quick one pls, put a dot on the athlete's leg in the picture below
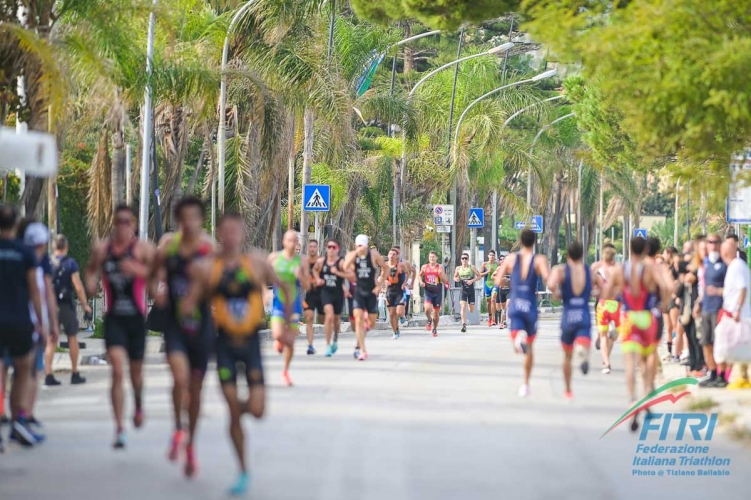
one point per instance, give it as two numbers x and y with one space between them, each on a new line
329 319
194 413
117 356
491 310
400 311
393 319
289 347
359 328
373 317
529 360
136 380
22 381
180 368
463 306
568 355
309 315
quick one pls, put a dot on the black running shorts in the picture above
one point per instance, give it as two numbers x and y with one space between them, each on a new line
231 351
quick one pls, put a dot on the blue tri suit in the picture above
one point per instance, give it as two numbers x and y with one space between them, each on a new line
576 323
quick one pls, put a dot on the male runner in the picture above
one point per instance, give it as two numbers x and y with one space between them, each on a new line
361 264
396 278
234 282
573 283
656 305
432 278
411 274
66 282
501 294
312 303
524 267
18 271
187 337
487 270
125 265
290 269
329 269
467 274
635 281
607 311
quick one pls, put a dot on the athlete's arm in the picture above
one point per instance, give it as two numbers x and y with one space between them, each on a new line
477 275
267 274
422 275
348 271
317 268
456 275
614 286
554 281
93 268
80 292
484 269
542 267
36 300
198 276
502 270
51 299
443 276
377 260
158 283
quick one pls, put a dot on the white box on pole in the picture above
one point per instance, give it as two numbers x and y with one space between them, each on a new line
33 153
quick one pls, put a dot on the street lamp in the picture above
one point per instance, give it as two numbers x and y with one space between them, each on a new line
536 78
401 167
143 213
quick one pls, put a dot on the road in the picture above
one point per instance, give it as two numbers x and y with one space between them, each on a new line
425 417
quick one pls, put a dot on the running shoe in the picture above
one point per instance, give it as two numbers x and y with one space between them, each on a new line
4 420
21 434
311 350
278 346
50 380
357 352
429 326
398 334
720 383
120 441
524 391
76 379
582 357
435 332
568 395
708 382
490 323
191 466
240 487
520 342
606 369
174 450
363 357
138 418
635 423
329 351
403 320
33 422
285 379
464 328
334 347
393 336
597 343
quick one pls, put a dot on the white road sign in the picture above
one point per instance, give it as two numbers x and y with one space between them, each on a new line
34 153
443 215
739 195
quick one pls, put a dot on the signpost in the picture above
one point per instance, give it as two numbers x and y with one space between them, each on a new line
316 198
443 215
640 233
535 223
739 196
443 229
476 217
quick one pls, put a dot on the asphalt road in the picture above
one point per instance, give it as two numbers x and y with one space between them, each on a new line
425 417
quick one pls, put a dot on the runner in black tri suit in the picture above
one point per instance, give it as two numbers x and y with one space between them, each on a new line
397 282
330 271
361 265
234 283
125 265
187 336
312 303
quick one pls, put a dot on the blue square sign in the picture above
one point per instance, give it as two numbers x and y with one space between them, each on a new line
316 197
476 217
640 233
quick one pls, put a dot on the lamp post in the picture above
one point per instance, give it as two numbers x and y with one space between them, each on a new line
143 213
401 169
536 78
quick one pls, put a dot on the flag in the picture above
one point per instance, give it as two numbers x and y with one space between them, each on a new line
369 68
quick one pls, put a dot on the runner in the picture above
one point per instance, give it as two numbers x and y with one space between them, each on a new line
125 265
361 265
656 305
329 268
67 282
18 275
312 303
467 274
671 258
572 282
607 311
501 294
635 281
396 278
289 267
524 267
187 336
432 276
234 283
411 274
487 270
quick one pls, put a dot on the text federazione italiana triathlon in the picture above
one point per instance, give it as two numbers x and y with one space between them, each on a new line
681 456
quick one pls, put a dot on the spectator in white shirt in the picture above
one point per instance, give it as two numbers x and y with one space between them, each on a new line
736 300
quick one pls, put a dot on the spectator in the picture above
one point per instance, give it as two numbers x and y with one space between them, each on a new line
736 301
738 251
686 296
67 282
710 303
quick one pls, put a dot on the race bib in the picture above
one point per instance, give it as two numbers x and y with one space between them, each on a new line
238 308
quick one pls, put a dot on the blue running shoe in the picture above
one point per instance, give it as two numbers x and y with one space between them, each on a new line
334 347
311 349
329 351
240 488
120 440
357 353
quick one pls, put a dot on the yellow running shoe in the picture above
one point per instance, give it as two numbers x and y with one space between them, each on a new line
739 384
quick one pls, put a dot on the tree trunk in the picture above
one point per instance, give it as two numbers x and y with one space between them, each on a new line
307 169
409 53
199 166
118 167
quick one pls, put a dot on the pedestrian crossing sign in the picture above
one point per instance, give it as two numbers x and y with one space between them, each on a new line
640 233
316 197
476 217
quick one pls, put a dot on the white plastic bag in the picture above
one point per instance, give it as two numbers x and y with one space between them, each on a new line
726 330
739 340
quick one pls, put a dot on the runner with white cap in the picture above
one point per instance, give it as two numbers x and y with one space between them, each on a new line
361 265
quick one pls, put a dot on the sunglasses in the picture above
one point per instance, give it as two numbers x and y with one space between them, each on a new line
332 247
465 258
121 221
713 242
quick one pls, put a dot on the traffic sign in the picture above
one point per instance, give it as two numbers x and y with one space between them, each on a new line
316 197
34 153
738 207
534 223
640 233
443 229
443 215
746 242
476 217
